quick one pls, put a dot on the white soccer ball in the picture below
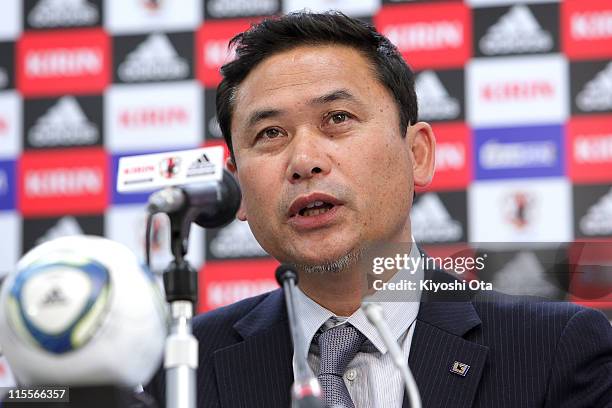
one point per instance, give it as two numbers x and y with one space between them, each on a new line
81 310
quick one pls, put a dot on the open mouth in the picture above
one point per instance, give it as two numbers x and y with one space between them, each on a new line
315 208
312 205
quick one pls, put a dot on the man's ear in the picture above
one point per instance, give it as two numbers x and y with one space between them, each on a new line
231 166
423 152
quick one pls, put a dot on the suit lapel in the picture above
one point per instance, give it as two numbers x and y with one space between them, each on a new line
436 345
438 342
258 371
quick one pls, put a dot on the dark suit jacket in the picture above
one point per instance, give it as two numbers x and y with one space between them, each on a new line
521 353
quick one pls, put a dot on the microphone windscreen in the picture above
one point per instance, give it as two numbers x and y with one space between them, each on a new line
285 272
230 197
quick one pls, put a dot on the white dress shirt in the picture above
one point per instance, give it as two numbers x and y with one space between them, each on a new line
371 378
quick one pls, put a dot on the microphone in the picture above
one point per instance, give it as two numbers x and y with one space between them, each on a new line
306 390
195 188
374 313
210 204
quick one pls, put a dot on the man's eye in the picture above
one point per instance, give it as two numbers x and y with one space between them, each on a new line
270 133
339 117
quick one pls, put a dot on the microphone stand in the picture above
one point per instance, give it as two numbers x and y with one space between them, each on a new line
306 390
181 286
374 313
209 205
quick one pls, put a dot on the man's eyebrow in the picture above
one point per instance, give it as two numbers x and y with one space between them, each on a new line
336 95
263 114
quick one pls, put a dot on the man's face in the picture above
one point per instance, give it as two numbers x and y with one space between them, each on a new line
313 126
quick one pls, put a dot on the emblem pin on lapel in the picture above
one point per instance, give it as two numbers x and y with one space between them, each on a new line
460 368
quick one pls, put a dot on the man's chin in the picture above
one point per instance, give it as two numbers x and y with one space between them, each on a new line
332 263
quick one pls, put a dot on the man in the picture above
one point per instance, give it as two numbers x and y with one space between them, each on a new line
320 115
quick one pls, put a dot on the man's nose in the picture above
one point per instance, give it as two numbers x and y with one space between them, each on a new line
308 157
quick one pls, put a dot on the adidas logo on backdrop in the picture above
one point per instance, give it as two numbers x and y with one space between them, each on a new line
597 93
53 13
65 227
517 31
524 275
235 241
431 221
154 59
63 124
434 101
598 219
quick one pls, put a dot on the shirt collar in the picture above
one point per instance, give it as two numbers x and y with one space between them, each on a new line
311 317
399 316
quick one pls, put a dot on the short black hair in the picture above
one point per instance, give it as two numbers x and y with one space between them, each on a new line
283 33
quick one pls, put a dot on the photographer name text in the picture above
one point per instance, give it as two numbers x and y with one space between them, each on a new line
429 285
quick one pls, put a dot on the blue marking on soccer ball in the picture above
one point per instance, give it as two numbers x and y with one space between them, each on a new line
62 342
